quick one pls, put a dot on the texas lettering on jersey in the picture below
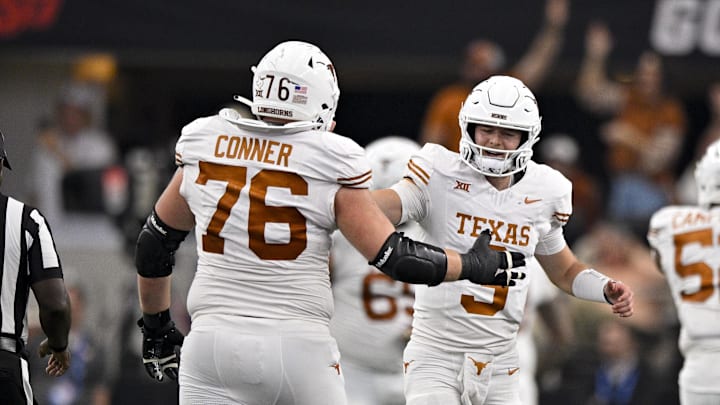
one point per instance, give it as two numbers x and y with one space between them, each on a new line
507 233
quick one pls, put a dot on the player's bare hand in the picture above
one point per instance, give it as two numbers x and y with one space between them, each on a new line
59 361
620 296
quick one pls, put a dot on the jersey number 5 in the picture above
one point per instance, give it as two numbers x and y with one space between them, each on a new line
705 238
259 212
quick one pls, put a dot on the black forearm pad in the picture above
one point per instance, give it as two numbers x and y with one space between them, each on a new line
412 262
156 246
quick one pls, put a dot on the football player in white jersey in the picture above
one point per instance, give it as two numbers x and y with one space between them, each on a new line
685 241
464 335
264 197
373 312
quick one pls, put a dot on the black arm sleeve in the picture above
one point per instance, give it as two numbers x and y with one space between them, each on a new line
156 246
412 262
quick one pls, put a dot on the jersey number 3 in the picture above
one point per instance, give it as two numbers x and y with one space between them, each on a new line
473 306
259 213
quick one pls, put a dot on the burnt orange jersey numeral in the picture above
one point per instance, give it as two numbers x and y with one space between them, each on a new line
704 238
369 296
259 213
472 306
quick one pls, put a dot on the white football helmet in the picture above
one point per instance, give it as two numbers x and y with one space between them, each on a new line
388 158
295 81
707 176
500 101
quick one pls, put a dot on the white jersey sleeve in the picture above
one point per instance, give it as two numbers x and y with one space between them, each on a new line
419 169
559 210
264 210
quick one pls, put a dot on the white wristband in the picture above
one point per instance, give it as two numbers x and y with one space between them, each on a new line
589 285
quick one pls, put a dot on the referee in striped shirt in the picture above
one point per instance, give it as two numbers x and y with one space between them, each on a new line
29 261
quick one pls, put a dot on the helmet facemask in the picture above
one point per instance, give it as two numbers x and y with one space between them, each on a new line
495 162
500 101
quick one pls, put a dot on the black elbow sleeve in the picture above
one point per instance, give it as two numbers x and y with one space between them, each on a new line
156 246
412 262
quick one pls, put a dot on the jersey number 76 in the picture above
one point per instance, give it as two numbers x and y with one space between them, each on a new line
259 212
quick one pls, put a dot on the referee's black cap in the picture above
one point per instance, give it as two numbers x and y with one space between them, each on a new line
3 154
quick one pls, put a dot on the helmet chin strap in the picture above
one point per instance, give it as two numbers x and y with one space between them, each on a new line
306 125
293 127
243 100
497 166
303 125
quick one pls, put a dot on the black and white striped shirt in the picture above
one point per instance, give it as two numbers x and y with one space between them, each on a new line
29 256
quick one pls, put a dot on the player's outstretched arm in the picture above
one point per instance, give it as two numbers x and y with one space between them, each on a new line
365 226
582 281
620 297
389 202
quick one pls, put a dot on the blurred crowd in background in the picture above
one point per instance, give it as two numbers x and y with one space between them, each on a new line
101 149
